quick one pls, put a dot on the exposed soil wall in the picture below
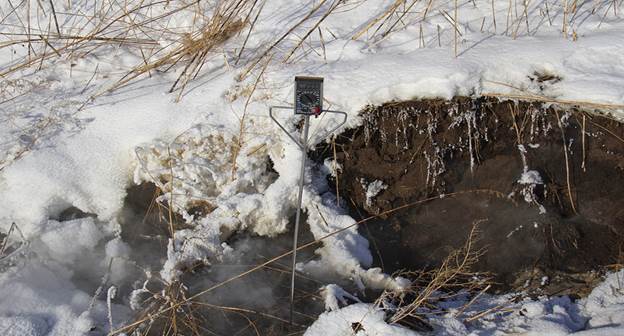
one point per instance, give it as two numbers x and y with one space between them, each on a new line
507 162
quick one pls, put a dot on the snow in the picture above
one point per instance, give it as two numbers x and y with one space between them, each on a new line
529 180
23 326
335 296
605 305
40 299
66 241
601 313
57 154
372 189
347 321
530 177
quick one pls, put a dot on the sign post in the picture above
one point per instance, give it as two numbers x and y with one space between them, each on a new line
308 102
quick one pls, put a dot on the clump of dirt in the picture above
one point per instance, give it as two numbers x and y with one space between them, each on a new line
546 184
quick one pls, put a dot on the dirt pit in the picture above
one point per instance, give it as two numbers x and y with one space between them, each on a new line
544 184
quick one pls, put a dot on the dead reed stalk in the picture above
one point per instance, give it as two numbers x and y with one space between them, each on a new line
456 28
240 139
267 51
333 6
567 163
456 263
383 16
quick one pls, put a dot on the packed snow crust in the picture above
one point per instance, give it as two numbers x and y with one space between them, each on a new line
61 150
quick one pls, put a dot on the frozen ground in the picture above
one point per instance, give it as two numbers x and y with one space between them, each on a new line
61 149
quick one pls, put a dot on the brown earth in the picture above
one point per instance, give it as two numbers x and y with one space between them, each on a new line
424 148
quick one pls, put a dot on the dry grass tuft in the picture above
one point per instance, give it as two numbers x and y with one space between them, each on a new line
142 27
430 287
194 48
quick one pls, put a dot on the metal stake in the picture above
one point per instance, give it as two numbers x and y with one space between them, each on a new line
304 156
303 145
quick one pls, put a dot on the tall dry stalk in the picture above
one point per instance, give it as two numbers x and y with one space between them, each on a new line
56 24
567 163
456 263
564 24
171 193
399 19
493 15
456 28
271 48
583 143
240 139
382 17
333 6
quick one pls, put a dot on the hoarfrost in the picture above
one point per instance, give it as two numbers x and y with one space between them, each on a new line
372 189
529 180
335 296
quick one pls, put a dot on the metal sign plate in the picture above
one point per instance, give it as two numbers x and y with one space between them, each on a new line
308 95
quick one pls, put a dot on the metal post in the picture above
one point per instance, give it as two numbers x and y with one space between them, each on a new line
304 156
303 145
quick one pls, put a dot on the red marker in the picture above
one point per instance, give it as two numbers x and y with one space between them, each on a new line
316 110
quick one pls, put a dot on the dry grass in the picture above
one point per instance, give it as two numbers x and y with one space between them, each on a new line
191 317
382 19
194 48
430 287
292 31
140 26
143 28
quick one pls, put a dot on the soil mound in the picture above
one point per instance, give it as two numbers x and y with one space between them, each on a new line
546 185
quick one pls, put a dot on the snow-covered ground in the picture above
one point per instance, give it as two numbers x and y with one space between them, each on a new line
60 148
601 313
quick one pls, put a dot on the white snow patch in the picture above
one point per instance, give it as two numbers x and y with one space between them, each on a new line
335 296
67 241
358 319
372 189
